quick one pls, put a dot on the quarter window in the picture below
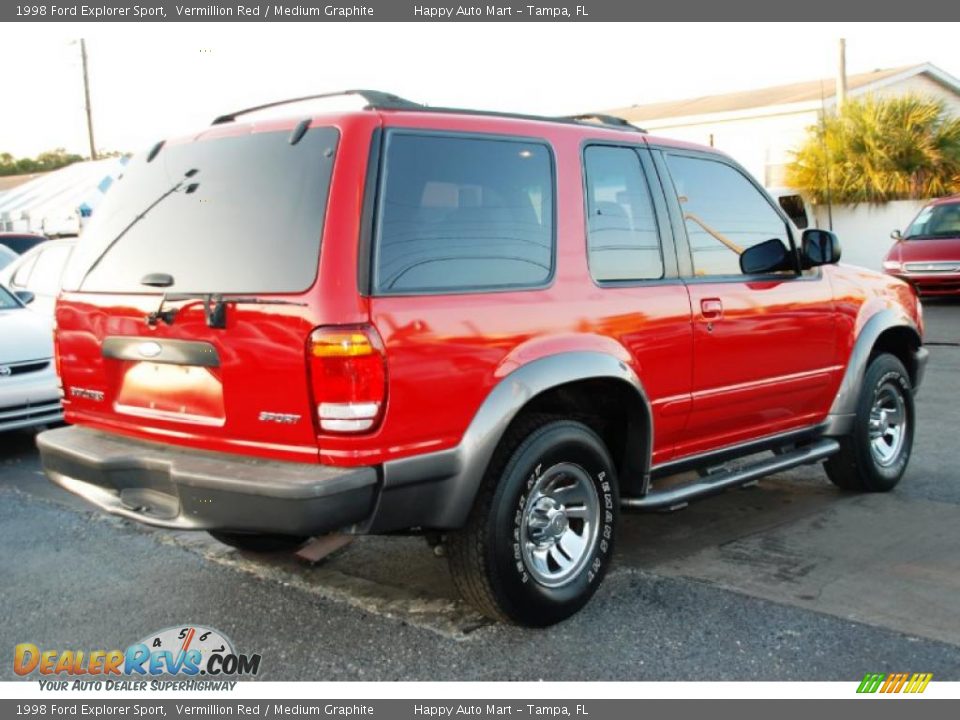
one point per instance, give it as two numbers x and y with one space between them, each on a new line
22 276
45 278
462 213
723 212
622 238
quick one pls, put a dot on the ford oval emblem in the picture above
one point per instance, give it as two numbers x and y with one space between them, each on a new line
149 349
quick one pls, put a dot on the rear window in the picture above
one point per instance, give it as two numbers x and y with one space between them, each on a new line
237 214
463 213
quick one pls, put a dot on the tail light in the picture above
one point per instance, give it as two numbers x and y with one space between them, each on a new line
348 372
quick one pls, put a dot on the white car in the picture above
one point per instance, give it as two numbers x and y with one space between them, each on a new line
39 271
29 389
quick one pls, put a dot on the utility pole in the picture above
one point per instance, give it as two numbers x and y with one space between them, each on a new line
86 97
842 75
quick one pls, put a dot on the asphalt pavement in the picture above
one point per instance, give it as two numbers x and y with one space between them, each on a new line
788 580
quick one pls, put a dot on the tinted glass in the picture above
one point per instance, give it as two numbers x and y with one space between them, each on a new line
622 238
45 278
936 221
463 213
793 206
724 214
21 243
240 214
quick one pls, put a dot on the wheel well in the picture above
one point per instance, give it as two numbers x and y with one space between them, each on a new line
611 408
901 342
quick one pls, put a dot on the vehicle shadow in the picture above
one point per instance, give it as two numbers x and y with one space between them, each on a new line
17 445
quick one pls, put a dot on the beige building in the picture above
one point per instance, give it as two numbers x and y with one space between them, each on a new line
760 127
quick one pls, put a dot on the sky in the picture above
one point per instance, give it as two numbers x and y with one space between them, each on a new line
150 81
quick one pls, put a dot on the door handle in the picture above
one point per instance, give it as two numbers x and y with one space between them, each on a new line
711 308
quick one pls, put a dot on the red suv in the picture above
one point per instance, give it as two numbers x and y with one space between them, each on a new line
492 329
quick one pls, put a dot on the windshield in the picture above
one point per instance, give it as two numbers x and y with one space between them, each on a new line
7 301
239 214
935 221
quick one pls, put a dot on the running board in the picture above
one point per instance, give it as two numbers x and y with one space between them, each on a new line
678 497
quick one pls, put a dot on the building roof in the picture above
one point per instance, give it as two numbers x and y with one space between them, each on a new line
809 91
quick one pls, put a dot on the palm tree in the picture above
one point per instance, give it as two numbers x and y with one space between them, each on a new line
880 149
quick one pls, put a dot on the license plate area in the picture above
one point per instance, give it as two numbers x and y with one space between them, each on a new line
174 393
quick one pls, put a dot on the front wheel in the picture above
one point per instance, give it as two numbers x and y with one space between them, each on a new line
540 536
874 456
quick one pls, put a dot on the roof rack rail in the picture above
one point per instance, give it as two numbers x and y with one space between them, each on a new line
603 119
375 100
378 100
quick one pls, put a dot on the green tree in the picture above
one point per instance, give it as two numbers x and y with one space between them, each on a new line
44 162
880 149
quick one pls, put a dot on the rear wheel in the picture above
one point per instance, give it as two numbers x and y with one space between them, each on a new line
874 456
540 536
260 542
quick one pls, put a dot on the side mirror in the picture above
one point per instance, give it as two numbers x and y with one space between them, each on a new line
25 296
766 257
819 247
896 235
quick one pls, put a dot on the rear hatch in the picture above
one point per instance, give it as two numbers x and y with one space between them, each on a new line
187 307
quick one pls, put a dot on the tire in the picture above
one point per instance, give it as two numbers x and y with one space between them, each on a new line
863 465
521 557
264 543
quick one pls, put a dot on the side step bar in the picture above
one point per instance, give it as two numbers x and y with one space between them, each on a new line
678 497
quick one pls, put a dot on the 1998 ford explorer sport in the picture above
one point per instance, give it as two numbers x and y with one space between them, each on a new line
494 329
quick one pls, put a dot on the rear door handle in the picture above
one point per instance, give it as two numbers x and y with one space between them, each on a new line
711 308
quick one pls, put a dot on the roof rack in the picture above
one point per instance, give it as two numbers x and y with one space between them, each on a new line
603 119
378 100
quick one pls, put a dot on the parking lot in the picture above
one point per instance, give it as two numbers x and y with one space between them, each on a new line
788 580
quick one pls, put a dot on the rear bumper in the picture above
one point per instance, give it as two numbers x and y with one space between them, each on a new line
173 487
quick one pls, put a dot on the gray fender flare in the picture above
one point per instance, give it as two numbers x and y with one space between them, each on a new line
438 489
840 418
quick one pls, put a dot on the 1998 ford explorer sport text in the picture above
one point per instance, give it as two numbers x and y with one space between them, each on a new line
491 329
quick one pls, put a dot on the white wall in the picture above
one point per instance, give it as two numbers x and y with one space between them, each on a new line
761 144
864 230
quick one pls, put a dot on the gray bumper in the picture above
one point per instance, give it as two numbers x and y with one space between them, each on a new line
185 489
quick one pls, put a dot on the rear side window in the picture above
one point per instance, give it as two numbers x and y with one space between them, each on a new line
22 276
45 279
463 213
236 214
724 213
622 238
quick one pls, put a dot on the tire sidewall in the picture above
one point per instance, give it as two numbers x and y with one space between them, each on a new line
885 369
519 592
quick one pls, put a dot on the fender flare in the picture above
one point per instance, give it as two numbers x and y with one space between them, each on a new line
437 490
840 418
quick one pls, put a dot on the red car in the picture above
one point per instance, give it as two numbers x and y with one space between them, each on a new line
927 255
491 329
